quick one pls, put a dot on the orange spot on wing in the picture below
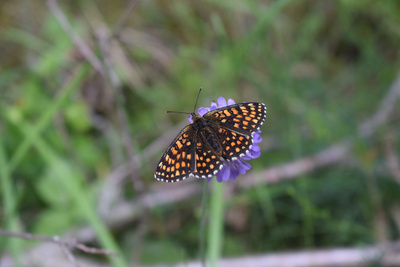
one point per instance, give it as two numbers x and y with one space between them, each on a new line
179 144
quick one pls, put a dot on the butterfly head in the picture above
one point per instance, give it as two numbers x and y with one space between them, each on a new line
193 117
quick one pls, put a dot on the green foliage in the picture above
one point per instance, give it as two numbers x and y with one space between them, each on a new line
166 251
321 68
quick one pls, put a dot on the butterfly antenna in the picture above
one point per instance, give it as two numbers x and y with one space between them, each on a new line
169 111
195 105
194 109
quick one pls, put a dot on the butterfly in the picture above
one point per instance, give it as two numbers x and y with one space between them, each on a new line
203 147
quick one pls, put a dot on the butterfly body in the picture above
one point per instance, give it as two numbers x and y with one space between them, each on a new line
202 147
206 131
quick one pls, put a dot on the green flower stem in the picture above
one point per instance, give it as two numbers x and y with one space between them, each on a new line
215 234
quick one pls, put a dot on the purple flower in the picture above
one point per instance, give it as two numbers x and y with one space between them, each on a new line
231 169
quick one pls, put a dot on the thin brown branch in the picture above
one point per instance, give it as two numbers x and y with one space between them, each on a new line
328 156
386 107
385 255
57 240
70 256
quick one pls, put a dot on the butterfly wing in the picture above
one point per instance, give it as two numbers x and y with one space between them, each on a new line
243 118
208 163
235 126
178 161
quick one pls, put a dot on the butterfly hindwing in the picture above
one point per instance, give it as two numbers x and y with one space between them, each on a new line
234 145
177 162
208 163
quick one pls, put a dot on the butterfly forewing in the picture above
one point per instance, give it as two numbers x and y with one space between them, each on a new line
177 162
243 118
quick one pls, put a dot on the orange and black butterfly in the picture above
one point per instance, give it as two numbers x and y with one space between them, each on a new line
202 147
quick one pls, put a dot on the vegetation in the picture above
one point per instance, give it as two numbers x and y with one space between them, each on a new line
84 87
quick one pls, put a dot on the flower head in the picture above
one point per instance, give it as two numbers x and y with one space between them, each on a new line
231 169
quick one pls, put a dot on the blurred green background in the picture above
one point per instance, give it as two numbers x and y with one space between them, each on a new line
84 86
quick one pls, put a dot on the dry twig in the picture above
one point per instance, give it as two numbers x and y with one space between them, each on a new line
57 240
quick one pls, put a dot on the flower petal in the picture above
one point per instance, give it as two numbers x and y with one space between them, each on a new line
257 137
246 157
202 111
231 102
234 173
244 166
254 154
255 148
190 118
223 174
213 105
221 102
